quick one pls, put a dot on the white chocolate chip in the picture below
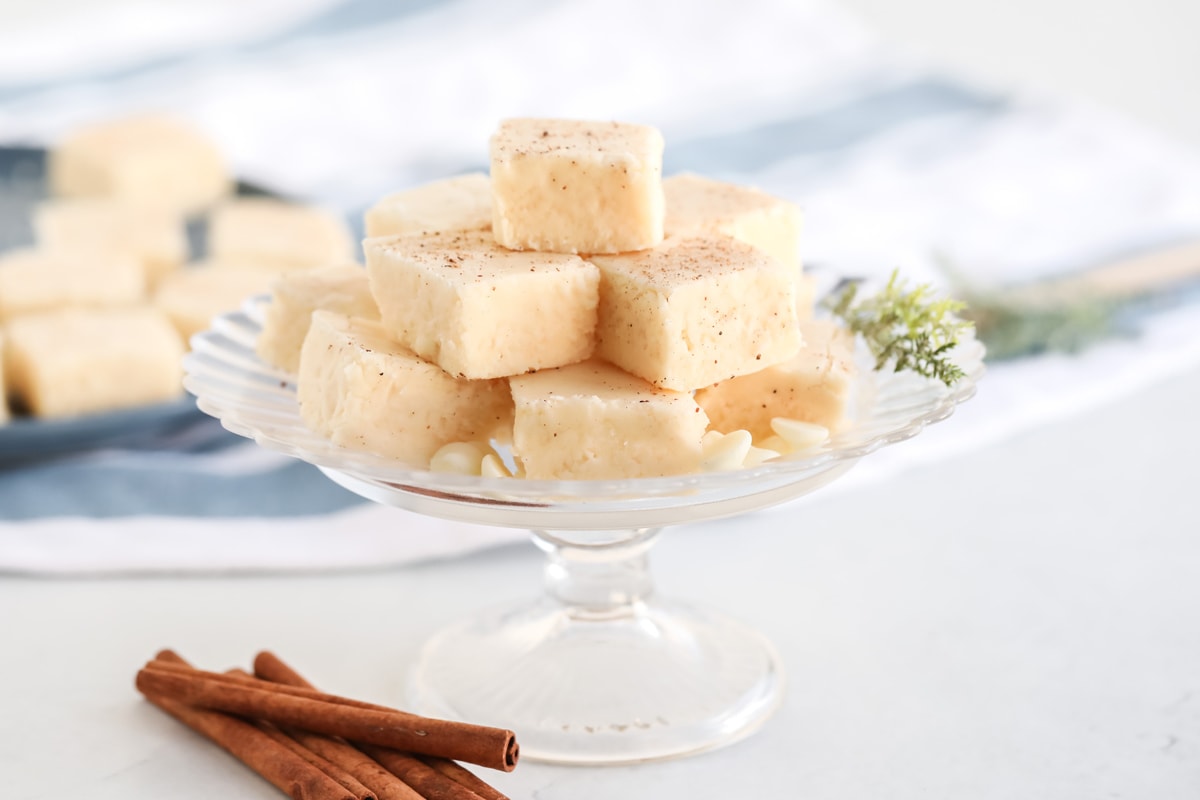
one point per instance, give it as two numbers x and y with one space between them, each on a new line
727 452
493 467
758 455
800 435
460 458
776 443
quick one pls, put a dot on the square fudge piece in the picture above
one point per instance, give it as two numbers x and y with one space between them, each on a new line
593 421
812 387
566 186
278 235
365 391
478 310
296 295
37 280
155 235
698 206
692 312
79 361
150 160
192 297
455 204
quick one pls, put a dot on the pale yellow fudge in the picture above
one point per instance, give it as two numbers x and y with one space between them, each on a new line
192 297
478 310
463 203
79 361
806 296
36 279
692 312
277 234
147 159
812 387
243 264
567 186
593 421
363 390
296 295
153 234
699 206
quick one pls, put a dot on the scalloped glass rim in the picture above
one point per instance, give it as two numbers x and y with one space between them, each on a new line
258 401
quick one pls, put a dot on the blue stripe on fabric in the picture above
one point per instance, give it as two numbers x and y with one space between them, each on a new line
347 17
355 15
838 128
67 489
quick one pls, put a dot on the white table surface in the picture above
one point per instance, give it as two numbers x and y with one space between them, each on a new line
1019 622
1039 638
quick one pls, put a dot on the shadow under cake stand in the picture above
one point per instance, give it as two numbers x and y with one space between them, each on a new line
599 669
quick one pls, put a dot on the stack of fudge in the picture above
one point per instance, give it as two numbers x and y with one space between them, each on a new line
97 314
602 321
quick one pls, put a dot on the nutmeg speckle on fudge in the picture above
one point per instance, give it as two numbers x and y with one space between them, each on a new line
462 203
593 421
813 386
695 311
698 206
569 186
479 310
363 390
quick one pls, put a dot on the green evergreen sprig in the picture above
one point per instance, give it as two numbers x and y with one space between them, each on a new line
1051 316
906 329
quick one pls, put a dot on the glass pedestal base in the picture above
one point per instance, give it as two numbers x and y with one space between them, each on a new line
649 681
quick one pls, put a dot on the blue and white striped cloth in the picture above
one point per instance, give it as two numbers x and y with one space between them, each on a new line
341 102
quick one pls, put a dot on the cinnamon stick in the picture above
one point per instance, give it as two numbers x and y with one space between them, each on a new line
384 783
339 775
460 774
427 781
270 667
279 765
332 715
361 767
289 739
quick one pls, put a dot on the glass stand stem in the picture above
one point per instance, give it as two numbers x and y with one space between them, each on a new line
606 577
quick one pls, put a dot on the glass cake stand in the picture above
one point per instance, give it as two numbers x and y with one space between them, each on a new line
599 669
